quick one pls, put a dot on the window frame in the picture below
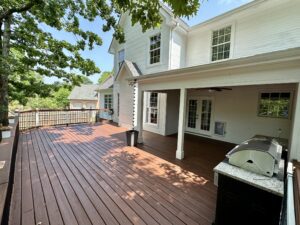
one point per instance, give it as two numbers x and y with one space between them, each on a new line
280 92
231 48
104 101
148 109
119 63
149 50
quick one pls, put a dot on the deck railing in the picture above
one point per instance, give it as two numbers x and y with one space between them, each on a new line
38 118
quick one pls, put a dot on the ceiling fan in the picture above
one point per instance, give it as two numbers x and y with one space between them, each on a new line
213 89
219 89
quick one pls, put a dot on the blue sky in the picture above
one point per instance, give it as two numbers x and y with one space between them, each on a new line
208 10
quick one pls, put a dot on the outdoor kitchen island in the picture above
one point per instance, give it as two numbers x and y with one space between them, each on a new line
245 197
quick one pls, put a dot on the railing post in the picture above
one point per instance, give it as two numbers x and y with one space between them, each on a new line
37 118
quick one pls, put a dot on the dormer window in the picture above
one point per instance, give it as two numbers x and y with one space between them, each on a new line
221 43
121 57
155 48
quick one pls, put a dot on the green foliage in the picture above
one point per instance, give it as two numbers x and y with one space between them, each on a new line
85 80
24 25
104 76
61 97
41 103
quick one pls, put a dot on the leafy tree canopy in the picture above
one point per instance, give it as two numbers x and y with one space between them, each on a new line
104 76
21 29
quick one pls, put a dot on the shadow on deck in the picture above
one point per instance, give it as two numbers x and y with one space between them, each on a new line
85 174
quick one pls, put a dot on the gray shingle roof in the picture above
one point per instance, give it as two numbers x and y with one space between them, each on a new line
84 92
108 83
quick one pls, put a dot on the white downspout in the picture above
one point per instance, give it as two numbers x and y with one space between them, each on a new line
171 43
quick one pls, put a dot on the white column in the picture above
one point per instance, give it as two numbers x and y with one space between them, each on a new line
139 118
295 140
181 124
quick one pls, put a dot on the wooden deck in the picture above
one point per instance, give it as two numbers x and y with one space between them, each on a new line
85 175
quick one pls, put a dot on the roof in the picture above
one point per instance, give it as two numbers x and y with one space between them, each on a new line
108 83
131 67
84 92
264 58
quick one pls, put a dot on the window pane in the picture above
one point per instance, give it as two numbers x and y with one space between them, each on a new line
274 105
221 44
155 49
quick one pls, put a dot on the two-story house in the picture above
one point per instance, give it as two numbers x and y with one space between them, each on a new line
229 78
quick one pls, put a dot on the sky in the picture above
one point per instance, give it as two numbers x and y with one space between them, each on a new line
104 60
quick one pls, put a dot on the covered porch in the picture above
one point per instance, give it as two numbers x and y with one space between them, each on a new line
226 100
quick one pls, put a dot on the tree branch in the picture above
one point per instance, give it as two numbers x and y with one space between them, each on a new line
23 8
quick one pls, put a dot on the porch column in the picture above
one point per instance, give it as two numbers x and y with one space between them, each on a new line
139 118
181 124
295 141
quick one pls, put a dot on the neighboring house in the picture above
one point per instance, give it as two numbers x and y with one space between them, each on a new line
230 78
84 97
105 91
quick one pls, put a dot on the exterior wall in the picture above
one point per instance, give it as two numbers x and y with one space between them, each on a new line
86 104
172 115
160 127
137 47
105 115
238 108
270 26
125 91
178 50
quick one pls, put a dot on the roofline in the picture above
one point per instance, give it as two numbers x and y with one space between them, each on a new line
264 58
227 14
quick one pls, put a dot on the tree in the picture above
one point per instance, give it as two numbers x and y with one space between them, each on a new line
21 28
85 80
104 76
61 97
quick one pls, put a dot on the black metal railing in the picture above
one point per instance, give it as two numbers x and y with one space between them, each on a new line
39 118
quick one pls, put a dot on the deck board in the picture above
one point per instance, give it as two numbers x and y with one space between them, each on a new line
85 174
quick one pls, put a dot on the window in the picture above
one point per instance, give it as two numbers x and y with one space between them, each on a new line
152 110
221 44
121 57
274 104
155 49
108 102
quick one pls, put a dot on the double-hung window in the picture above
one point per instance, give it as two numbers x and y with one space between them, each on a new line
221 43
121 57
108 104
155 45
152 108
274 104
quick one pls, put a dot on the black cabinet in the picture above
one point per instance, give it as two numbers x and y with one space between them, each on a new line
239 203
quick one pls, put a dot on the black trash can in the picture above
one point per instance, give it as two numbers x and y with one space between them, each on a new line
132 137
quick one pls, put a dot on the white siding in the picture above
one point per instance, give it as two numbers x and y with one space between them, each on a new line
137 47
270 26
172 115
178 50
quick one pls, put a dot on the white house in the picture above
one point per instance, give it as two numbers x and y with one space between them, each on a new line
84 97
105 97
230 78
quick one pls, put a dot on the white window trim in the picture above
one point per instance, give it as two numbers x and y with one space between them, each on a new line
118 63
147 115
290 111
104 98
148 49
232 42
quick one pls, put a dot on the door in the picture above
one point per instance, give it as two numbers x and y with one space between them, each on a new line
199 115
